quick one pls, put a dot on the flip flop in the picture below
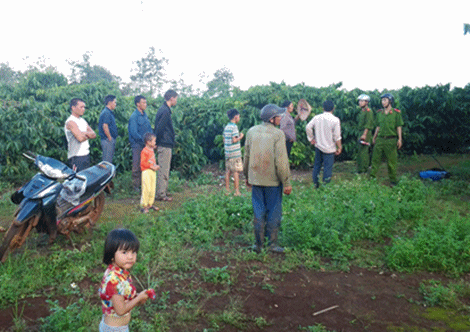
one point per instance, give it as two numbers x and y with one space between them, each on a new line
144 211
166 199
154 208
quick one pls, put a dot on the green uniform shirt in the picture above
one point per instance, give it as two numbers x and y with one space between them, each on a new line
388 123
365 119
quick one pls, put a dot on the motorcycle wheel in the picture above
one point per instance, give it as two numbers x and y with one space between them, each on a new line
16 236
97 209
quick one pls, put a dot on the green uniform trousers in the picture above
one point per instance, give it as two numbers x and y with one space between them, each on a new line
363 158
385 147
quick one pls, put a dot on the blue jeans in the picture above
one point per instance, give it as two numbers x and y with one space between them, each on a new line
267 208
108 149
325 159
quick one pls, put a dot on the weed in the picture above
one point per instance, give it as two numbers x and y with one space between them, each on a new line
261 323
217 275
436 294
269 287
315 328
72 318
18 320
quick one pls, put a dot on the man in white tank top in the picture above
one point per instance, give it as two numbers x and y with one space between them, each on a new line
78 132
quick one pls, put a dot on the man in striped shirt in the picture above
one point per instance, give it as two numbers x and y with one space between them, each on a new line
233 153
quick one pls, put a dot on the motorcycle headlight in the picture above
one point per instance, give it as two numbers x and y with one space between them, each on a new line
51 172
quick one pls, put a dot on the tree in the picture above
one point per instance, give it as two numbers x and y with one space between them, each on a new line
8 75
149 76
181 87
84 72
221 84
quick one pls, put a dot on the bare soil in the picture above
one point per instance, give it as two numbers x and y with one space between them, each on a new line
357 300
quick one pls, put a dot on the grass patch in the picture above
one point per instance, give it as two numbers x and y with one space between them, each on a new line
415 226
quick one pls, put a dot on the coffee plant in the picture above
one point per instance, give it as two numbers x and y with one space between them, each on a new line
33 113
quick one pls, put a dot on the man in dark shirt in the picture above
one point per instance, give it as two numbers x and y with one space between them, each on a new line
165 142
107 128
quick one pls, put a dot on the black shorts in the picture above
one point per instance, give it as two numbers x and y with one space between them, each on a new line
81 162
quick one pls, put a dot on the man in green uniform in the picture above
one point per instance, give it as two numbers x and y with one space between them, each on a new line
366 127
387 138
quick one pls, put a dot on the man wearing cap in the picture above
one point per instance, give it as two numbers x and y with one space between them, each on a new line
387 138
266 169
324 131
365 126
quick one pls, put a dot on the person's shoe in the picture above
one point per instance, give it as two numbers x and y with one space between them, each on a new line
392 184
277 249
317 185
256 248
165 199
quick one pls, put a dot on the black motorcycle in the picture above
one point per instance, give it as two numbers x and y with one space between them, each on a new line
55 207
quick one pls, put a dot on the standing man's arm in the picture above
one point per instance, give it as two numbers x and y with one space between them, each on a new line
90 133
107 132
339 147
375 135
162 120
337 137
364 134
282 165
310 133
246 160
80 136
399 142
134 132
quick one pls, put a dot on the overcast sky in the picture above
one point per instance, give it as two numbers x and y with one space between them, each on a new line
365 44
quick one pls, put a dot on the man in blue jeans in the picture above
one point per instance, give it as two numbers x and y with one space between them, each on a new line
266 170
324 131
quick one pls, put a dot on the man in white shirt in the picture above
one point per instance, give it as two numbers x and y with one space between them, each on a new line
324 131
78 132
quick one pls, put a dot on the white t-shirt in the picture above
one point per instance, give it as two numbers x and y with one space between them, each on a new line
76 148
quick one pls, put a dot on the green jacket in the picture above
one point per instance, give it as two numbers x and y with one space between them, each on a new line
365 120
266 163
389 123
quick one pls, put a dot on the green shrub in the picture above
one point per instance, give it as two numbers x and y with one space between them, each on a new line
440 245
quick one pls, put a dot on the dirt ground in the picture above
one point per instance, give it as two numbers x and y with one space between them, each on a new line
357 300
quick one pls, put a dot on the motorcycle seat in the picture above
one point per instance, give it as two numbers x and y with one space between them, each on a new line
96 176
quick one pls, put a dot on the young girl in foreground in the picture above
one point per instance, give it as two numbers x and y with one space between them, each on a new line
118 294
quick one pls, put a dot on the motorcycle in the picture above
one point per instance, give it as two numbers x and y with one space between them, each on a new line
54 207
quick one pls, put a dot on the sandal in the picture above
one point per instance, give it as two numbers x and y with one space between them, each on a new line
145 210
154 208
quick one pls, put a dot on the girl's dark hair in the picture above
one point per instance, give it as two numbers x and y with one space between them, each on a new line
286 103
120 238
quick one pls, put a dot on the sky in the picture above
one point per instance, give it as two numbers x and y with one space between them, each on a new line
364 44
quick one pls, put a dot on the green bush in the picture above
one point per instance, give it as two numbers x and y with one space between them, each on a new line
438 245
